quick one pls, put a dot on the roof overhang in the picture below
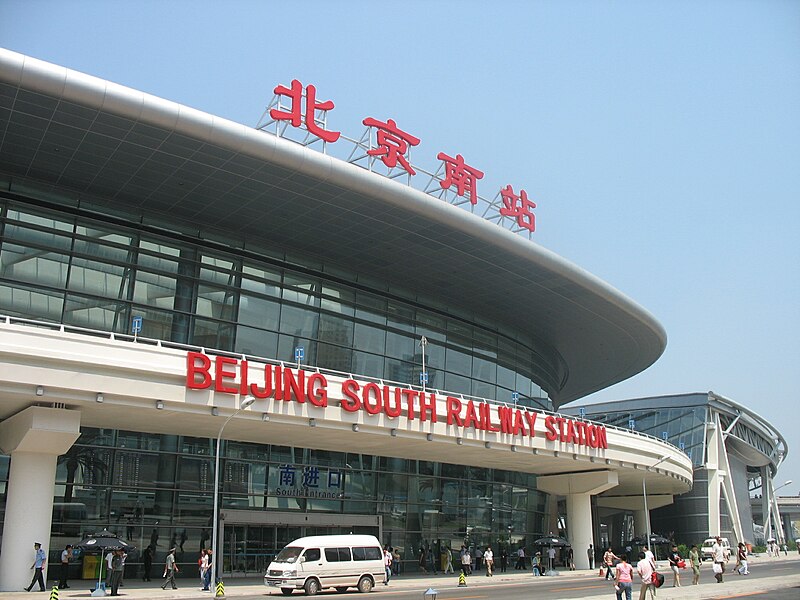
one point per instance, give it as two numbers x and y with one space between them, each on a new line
126 152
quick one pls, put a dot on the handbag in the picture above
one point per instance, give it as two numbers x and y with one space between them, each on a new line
658 579
717 568
681 564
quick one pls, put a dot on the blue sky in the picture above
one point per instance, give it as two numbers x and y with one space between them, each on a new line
660 140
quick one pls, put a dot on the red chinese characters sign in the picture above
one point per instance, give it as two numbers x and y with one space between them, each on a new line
392 147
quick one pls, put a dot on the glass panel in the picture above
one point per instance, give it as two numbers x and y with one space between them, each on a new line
256 342
338 299
261 280
299 321
458 362
21 263
369 339
96 313
101 279
332 357
370 365
258 312
43 220
30 303
215 302
34 237
156 324
154 290
213 334
400 346
336 330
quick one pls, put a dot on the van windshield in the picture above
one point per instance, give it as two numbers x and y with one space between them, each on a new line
288 554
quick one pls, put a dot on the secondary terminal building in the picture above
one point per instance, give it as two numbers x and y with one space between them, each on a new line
159 265
735 454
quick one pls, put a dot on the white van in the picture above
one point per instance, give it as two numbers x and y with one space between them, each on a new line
328 561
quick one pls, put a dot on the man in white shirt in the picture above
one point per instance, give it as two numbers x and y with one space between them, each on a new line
719 559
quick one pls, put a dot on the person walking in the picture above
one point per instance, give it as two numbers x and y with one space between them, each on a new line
39 561
504 559
645 568
741 558
608 560
147 560
694 560
590 554
396 561
117 569
170 568
448 560
423 560
209 570
488 558
466 563
623 582
520 559
66 556
202 564
478 558
387 564
571 558
675 559
718 554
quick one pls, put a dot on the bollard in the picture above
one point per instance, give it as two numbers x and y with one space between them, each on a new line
220 593
54 593
462 580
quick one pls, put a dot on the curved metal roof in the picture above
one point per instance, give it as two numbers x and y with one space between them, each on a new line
119 147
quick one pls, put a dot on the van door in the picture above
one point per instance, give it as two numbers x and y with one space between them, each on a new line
311 564
340 571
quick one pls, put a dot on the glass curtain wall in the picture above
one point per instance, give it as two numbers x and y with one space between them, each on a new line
158 489
61 268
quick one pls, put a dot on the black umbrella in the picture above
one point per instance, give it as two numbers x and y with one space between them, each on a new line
103 540
654 539
553 540
98 542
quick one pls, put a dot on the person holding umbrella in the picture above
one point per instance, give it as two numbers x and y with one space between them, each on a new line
170 568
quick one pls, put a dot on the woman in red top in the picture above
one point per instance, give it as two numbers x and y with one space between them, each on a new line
624 578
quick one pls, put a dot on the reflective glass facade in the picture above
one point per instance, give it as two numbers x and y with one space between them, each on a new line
158 489
66 267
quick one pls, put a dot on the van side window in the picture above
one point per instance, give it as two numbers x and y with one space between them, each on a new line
337 554
312 554
367 553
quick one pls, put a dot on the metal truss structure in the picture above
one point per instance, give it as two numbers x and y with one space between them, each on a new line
356 152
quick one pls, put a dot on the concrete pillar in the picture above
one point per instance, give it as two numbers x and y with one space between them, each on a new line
640 523
579 525
34 438
578 489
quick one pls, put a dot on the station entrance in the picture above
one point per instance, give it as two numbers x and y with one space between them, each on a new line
250 540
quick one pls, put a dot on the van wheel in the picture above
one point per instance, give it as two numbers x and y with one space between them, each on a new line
287 591
341 589
365 585
311 587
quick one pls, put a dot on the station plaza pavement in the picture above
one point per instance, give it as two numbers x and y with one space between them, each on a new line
596 587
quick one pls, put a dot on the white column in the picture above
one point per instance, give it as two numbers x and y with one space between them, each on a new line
579 522
34 438
578 490
639 523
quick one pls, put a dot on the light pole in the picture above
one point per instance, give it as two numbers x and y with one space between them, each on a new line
215 558
644 495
